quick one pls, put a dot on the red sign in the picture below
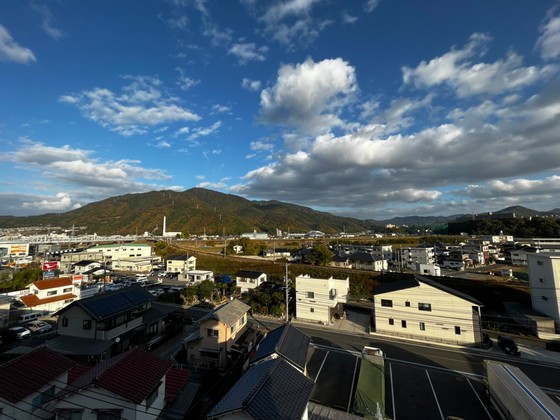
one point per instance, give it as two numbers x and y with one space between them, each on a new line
50 265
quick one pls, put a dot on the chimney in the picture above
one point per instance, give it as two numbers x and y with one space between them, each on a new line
164 220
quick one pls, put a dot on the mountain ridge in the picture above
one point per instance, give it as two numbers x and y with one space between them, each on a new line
201 211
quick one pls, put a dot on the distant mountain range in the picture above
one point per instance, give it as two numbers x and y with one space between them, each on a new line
198 211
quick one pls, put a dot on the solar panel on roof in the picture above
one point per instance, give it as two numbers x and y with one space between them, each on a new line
111 304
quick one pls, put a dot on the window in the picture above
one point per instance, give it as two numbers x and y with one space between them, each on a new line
407 304
311 309
310 295
541 280
391 321
458 330
64 322
86 324
422 326
67 290
425 306
403 323
52 292
233 328
544 298
540 263
387 302
212 333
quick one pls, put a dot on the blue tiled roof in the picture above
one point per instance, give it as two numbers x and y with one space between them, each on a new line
270 390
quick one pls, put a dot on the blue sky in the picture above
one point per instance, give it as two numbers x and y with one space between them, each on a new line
368 109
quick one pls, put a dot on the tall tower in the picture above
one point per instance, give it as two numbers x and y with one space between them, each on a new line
164 221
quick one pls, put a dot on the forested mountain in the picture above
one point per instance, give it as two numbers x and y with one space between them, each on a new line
195 211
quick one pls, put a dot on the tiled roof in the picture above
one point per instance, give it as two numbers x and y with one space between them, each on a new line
33 300
174 381
363 256
248 274
286 341
27 374
52 283
132 375
84 263
228 313
108 304
415 282
270 390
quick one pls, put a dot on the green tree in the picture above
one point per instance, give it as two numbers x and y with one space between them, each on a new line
320 255
205 289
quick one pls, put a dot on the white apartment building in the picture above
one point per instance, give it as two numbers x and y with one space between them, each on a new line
409 257
68 259
319 299
544 279
424 309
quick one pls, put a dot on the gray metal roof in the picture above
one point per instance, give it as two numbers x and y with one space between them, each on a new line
286 341
249 274
415 282
270 390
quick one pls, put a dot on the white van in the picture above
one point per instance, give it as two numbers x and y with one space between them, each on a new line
31 316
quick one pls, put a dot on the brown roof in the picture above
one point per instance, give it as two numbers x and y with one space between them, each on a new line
33 300
174 381
132 375
52 283
32 371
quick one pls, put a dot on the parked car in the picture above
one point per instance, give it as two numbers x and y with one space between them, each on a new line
508 345
156 292
39 327
20 332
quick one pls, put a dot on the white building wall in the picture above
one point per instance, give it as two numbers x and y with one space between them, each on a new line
450 318
91 399
315 297
544 280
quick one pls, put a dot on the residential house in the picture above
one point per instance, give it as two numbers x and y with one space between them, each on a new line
108 322
285 342
341 260
196 276
271 390
218 331
119 388
320 300
180 263
50 295
249 280
544 280
84 265
367 261
28 381
424 309
519 257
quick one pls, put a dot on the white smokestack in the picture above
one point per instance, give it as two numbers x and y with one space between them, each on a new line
164 221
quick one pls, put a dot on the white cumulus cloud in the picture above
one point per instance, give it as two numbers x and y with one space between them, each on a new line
10 50
308 96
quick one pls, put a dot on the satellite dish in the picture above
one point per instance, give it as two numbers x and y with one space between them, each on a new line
117 340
